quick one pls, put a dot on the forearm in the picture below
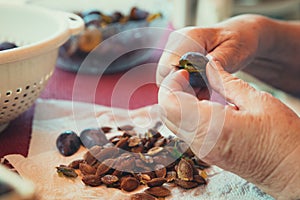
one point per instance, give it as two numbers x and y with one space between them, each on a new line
280 41
277 61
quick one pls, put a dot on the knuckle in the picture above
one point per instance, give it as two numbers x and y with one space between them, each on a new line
231 82
235 36
265 95
234 82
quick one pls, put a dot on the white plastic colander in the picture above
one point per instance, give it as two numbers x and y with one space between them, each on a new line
24 71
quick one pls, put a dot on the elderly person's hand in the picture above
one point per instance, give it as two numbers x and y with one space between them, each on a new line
255 135
266 48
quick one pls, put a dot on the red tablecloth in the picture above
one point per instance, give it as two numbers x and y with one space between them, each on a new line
130 90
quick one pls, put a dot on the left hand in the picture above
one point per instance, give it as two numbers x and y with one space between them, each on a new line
255 136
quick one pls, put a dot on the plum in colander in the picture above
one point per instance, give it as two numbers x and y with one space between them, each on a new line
7 45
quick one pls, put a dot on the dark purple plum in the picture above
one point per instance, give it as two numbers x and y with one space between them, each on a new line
68 143
138 14
116 16
91 137
5 188
195 63
90 12
7 45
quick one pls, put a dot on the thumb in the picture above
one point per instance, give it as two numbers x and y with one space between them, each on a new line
233 89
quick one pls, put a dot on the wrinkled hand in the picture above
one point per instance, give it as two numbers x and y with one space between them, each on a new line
255 135
266 48
229 42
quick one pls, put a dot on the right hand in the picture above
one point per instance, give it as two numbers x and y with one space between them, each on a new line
233 45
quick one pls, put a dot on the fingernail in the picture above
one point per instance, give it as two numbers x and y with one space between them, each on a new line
209 57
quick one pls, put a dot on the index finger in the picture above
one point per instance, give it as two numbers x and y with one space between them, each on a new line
179 43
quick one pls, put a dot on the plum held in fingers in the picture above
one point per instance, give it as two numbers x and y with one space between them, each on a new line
195 63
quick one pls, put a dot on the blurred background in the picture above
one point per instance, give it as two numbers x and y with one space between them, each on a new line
208 12
181 13
186 12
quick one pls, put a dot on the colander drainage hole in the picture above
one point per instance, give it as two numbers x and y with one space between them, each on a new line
6 101
8 93
25 95
27 87
19 90
72 19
